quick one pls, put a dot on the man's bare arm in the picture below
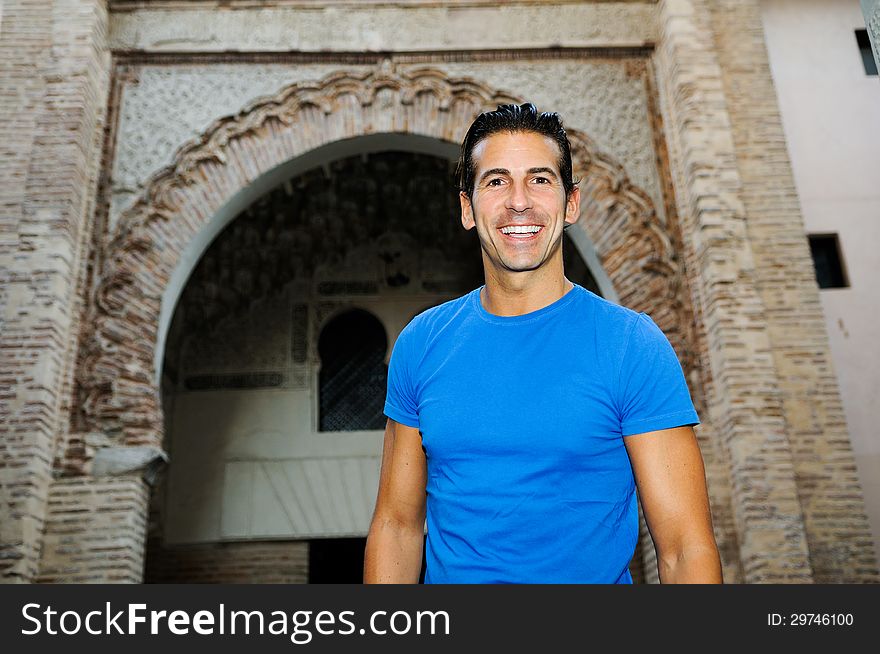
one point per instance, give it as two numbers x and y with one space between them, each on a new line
669 472
396 537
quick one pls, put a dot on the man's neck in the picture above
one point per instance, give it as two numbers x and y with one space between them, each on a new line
515 294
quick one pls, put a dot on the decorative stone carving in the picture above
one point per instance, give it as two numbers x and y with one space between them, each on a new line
871 9
163 107
118 394
299 347
112 461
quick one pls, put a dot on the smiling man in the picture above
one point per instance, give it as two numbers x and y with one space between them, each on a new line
523 416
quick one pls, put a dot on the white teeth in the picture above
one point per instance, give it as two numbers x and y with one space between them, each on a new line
521 229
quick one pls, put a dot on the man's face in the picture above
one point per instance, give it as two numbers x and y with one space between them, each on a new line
519 206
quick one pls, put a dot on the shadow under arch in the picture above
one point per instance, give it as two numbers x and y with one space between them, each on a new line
319 157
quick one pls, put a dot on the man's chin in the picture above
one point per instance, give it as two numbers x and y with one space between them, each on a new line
511 264
521 266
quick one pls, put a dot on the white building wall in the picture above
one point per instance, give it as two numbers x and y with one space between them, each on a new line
830 111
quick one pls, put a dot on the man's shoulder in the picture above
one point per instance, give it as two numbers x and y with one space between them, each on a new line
634 332
607 314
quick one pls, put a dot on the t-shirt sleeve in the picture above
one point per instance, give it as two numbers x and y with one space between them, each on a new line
652 391
401 404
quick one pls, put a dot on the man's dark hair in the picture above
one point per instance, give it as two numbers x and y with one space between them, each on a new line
513 118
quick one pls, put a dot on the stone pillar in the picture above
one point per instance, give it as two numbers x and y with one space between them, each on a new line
837 531
54 78
744 400
95 530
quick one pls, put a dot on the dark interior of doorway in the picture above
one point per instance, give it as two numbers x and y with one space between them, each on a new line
340 561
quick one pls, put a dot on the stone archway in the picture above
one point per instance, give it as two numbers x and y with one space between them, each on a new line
117 386
116 382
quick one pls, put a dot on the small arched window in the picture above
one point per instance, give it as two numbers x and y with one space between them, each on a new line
351 385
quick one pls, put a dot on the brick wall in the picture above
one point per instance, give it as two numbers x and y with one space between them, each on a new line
53 85
744 401
95 531
828 488
25 42
270 562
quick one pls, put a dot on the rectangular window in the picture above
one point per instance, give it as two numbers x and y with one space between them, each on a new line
828 261
868 60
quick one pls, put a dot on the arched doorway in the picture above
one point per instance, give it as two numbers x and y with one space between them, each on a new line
158 241
273 374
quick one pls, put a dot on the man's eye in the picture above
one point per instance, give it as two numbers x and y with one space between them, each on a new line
542 180
492 182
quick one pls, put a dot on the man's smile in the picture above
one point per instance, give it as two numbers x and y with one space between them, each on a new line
521 232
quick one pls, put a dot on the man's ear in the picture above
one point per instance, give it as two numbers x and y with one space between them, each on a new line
573 206
467 211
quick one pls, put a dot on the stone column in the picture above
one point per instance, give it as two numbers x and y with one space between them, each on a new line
837 531
95 530
744 400
54 78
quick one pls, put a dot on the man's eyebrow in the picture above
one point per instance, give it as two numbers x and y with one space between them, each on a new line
548 171
494 171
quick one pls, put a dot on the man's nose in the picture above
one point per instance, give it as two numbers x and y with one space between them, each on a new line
518 198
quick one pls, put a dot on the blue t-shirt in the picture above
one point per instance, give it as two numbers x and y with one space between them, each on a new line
522 421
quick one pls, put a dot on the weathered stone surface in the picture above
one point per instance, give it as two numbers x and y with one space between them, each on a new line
744 400
379 27
114 461
54 74
163 107
95 531
688 203
827 483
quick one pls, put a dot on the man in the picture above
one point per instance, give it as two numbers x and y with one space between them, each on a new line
522 416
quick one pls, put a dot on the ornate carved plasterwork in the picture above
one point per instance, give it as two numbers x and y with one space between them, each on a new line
117 392
871 9
162 106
